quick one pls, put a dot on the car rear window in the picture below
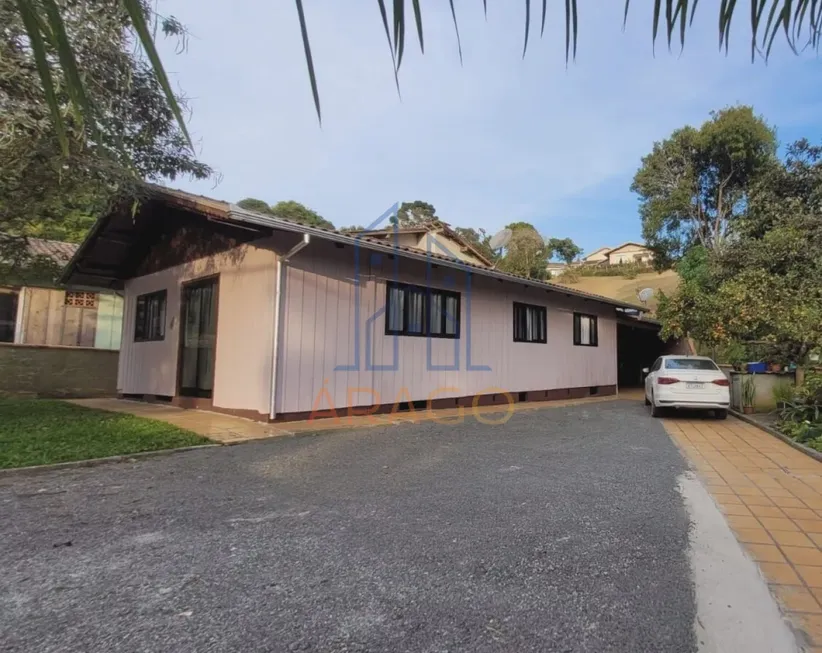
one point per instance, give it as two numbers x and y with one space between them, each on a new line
690 364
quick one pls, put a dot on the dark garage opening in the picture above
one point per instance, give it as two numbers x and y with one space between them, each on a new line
638 346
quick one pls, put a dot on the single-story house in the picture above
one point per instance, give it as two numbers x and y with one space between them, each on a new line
435 237
235 311
630 253
597 257
555 269
36 312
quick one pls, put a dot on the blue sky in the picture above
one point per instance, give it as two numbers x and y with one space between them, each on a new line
497 140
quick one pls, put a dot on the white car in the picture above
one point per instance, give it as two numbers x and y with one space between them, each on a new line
686 382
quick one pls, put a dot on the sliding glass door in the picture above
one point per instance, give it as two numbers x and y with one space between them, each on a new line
198 320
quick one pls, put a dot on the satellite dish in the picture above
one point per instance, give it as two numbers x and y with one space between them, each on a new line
645 295
500 239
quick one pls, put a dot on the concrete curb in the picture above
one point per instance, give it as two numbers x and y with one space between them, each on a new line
813 453
94 462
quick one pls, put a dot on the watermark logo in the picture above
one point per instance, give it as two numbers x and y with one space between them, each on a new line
367 327
367 402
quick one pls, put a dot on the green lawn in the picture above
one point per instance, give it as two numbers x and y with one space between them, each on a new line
43 431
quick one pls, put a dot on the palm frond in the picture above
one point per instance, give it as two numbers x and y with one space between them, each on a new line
138 21
527 26
456 29
399 30
544 12
60 41
799 20
384 15
309 60
31 22
418 20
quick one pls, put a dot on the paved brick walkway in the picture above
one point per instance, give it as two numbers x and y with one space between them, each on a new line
771 495
226 429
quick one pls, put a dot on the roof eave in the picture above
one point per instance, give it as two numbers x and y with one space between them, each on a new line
244 215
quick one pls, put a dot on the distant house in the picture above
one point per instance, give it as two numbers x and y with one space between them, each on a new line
40 313
434 238
555 269
597 257
630 253
625 253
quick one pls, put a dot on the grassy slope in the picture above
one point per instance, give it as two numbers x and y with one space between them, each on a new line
43 431
625 289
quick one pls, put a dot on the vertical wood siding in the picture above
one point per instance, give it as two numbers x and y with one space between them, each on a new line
245 318
47 320
319 349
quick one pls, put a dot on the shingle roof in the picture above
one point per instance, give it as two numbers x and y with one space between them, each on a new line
233 213
56 250
630 242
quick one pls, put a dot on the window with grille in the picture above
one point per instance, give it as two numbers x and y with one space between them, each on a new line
81 299
150 317
530 323
420 311
585 330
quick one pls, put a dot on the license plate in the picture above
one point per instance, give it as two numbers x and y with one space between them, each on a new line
694 386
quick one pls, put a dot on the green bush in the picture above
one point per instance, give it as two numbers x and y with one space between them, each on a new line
784 392
801 417
569 276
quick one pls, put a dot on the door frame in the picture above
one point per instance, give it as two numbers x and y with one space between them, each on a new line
193 401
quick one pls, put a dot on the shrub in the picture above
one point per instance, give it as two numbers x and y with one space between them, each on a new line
620 270
569 276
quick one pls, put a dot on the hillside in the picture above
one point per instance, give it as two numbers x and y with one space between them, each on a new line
626 289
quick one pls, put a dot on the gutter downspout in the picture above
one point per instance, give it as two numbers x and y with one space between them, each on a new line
281 270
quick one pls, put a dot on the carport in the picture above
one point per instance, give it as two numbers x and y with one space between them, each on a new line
638 346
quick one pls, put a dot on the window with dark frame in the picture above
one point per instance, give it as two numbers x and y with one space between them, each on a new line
530 323
419 311
150 317
585 330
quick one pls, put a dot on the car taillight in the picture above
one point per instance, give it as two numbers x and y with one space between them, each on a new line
667 380
724 382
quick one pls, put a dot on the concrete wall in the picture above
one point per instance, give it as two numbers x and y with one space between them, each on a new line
57 371
764 385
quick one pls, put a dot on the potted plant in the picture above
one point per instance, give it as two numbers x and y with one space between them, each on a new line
748 394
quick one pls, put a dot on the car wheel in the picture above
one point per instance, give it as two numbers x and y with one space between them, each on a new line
656 411
721 414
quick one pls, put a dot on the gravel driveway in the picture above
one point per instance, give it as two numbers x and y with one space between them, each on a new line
560 531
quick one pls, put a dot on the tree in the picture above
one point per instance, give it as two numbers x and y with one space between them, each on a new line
253 204
291 210
288 210
766 285
51 188
564 248
526 253
43 25
693 186
414 214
